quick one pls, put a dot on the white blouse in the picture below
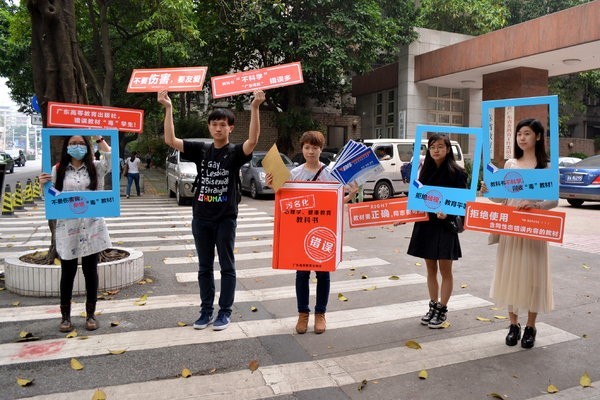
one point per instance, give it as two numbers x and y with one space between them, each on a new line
81 237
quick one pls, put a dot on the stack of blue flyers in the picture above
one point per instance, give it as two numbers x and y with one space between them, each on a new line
355 162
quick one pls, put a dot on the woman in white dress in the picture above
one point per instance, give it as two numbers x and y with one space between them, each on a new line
522 279
82 238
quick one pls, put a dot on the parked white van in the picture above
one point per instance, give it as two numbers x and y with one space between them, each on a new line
393 154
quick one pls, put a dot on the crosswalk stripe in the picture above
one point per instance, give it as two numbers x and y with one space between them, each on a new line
181 247
12 353
238 257
574 393
168 219
286 379
262 272
193 300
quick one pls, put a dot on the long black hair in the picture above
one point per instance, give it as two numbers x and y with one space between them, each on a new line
540 146
449 164
133 156
65 159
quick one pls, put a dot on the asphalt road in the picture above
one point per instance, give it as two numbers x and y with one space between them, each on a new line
366 337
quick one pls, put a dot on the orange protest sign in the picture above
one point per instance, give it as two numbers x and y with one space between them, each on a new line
249 81
83 116
532 223
383 212
172 79
308 226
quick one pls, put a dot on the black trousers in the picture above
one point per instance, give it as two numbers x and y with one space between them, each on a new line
68 271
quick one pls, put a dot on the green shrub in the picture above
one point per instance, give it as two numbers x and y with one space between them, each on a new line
578 155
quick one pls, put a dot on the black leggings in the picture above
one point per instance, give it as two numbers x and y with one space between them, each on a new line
68 271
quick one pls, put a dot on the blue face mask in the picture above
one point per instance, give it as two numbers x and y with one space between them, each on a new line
77 151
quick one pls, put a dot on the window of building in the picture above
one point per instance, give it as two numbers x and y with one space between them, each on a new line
385 113
446 107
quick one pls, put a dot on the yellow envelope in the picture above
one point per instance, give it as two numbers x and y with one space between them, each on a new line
273 164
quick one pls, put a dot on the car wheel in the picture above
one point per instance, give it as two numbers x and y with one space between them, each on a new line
253 189
12 169
575 202
171 193
180 200
382 191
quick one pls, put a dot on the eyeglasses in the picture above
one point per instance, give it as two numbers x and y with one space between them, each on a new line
76 143
434 148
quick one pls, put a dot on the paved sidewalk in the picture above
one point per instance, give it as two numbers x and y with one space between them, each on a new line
152 182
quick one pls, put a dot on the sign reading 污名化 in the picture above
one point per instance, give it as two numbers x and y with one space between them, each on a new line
68 115
258 79
88 203
383 212
531 223
308 226
522 183
183 79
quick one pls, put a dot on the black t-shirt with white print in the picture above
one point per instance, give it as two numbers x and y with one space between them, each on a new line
218 169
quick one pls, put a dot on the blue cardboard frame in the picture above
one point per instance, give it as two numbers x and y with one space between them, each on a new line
82 204
522 183
431 198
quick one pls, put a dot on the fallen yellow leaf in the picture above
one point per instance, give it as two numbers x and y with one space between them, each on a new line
76 365
370 288
500 317
364 276
16 303
483 319
393 278
463 285
496 396
253 365
418 264
445 324
56 261
585 380
341 297
114 323
116 352
149 280
552 389
24 334
180 323
585 266
253 309
186 373
99 395
72 334
411 344
24 382
423 374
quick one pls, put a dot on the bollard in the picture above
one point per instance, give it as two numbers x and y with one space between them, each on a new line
18 197
37 190
28 195
7 203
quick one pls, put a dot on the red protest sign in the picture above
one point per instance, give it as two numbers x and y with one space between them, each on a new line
532 223
308 226
249 81
84 116
383 212
172 79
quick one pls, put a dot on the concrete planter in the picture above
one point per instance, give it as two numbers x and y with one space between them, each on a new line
44 280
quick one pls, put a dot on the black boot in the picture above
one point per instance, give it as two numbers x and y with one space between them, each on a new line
528 337
90 322
427 317
65 323
514 334
439 316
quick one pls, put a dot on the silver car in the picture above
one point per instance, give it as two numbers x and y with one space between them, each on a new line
252 175
181 174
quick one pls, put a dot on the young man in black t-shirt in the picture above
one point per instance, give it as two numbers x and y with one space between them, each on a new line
215 205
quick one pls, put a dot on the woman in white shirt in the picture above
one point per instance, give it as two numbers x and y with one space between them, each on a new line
133 173
82 238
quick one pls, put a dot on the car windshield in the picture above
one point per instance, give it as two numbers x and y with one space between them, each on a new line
593 162
257 160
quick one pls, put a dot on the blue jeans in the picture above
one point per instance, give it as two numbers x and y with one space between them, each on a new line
133 177
207 235
303 292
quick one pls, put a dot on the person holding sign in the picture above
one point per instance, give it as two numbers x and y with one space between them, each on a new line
82 238
215 204
522 277
434 240
313 169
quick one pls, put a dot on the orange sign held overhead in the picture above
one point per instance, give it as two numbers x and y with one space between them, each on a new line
249 81
171 79
532 223
383 212
67 115
308 226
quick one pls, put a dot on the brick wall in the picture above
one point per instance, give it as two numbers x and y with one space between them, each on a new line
575 145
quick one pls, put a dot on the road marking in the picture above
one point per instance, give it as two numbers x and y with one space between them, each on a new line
181 247
119 221
193 300
238 257
574 393
287 379
262 272
14 353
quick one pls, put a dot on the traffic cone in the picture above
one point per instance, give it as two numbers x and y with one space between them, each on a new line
28 197
18 197
37 190
7 204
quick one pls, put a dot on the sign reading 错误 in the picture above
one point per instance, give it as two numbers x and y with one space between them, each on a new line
186 79
258 79
83 116
88 203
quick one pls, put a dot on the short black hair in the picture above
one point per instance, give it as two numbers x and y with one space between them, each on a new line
219 114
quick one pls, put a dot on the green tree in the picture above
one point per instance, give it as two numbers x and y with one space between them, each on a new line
470 17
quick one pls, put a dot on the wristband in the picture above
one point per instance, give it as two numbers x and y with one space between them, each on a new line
100 140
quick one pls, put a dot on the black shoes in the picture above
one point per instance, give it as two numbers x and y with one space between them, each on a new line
427 317
528 337
514 334
439 317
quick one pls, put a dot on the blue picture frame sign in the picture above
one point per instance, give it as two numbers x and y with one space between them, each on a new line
82 204
522 183
434 199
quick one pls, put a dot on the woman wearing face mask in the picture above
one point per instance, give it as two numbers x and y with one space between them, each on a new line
82 238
